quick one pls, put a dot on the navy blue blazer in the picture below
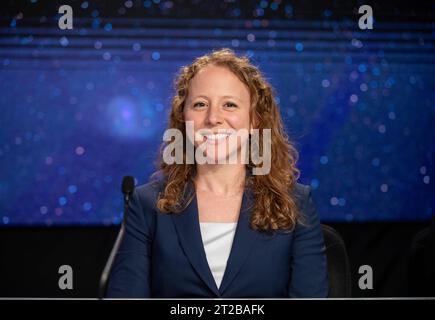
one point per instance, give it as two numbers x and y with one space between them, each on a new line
162 255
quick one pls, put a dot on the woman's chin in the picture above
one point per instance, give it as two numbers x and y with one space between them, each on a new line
226 158
215 160
218 155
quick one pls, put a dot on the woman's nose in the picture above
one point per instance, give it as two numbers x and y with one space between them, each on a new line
214 116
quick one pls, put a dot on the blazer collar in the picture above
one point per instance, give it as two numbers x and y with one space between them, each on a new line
189 233
244 240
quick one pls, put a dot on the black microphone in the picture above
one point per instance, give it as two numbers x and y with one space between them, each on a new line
127 189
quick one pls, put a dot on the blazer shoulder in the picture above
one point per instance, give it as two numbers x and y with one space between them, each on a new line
147 193
151 186
301 193
306 205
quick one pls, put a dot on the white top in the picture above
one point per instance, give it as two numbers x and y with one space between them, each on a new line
217 238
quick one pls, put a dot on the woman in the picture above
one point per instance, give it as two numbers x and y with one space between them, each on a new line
215 229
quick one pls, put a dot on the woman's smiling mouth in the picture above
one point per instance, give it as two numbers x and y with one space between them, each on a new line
215 138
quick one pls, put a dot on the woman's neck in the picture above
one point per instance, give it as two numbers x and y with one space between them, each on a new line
221 180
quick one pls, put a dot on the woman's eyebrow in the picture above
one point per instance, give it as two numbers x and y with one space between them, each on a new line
223 97
199 96
231 97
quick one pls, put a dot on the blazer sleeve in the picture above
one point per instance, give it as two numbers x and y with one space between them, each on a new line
130 276
308 267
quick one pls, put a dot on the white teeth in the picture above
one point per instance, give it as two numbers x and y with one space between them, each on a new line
218 136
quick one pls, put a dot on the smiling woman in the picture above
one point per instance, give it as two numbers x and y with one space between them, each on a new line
226 146
213 229
211 106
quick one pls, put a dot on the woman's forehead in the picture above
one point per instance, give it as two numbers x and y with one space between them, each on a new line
214 80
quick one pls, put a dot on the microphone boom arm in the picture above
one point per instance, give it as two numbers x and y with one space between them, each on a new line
127 190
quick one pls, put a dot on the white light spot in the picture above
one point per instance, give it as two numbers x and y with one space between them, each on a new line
325 83
334 201
98 45
80 150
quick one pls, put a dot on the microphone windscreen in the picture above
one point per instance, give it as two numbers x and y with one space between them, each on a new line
127 185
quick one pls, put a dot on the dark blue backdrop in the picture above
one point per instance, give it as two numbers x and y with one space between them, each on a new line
81 108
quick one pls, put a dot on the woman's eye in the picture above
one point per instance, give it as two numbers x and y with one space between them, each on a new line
231 105
199 105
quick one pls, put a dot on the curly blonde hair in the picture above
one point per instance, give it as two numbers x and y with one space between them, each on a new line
274 206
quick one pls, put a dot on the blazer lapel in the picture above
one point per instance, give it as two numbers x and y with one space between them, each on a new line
243 242
189 233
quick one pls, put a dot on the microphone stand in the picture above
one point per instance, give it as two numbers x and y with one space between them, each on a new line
106 272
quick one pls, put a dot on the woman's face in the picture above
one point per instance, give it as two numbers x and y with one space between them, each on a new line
218 104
